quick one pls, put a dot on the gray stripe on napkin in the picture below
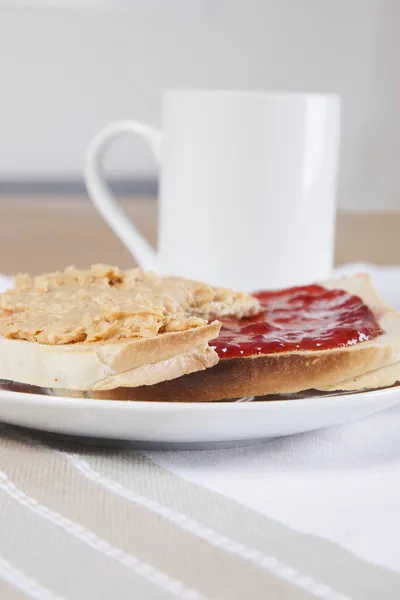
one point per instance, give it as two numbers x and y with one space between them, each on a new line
61 563
195 568
318 558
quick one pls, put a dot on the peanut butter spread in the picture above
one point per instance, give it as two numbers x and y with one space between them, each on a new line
104 303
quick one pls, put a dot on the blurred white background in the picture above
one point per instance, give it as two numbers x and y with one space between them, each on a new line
69 67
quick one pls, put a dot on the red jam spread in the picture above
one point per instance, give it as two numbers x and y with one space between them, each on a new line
300 318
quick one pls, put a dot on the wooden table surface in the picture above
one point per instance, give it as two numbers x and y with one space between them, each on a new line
39 234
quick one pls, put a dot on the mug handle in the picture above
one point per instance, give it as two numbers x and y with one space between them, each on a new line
100 193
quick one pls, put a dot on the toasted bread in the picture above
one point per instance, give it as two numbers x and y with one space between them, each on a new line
102 328
380 378
369 364
108 365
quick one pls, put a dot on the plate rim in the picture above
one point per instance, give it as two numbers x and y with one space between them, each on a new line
121 405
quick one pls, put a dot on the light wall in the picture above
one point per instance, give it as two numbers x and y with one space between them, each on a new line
66 72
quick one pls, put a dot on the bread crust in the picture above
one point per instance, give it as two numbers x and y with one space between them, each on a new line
383 377
259 376
108 365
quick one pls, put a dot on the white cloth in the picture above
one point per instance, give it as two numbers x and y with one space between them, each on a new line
342 484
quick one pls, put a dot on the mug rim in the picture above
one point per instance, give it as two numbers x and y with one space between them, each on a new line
271 94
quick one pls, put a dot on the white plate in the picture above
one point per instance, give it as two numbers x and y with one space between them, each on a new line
209 424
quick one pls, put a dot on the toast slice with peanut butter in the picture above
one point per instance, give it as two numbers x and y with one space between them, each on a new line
104 328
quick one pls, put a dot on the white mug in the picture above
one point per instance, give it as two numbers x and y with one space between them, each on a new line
247 187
